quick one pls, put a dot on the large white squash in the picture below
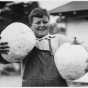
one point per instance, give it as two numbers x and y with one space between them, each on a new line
21 40
71 61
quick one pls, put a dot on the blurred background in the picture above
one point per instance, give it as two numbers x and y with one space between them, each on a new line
67 18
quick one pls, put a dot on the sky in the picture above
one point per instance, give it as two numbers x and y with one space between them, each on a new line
51 4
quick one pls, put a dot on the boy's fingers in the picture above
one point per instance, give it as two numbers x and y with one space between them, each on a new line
3 43
4 51
4 47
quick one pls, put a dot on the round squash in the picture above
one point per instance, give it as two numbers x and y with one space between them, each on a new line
71 61
21 40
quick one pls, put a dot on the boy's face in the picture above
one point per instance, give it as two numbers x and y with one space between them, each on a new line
40 26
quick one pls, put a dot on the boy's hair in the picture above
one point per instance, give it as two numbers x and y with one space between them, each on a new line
38 12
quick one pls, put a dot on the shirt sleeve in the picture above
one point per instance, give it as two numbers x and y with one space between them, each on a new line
64 39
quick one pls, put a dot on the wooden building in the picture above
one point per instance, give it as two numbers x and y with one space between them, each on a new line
75 14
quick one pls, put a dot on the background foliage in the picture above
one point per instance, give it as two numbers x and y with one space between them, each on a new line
15 12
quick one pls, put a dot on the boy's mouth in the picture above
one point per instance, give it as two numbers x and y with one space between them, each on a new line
42 29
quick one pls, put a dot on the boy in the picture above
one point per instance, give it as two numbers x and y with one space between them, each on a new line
38 67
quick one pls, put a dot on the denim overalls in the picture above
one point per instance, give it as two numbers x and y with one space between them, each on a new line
40 70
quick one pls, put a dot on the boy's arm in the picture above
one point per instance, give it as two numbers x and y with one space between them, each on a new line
64 39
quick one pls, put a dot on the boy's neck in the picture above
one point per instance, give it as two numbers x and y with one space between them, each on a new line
43 36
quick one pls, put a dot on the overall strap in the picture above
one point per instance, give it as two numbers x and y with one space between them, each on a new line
50 47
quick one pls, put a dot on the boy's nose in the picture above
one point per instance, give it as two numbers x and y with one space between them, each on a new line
42 24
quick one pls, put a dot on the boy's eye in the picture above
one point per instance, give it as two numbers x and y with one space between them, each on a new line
38 22
45 22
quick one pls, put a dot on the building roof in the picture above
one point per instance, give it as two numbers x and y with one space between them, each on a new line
72 6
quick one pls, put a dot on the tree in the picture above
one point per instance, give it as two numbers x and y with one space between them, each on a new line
15 12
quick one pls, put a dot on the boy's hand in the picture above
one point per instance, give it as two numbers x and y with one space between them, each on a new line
4 48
